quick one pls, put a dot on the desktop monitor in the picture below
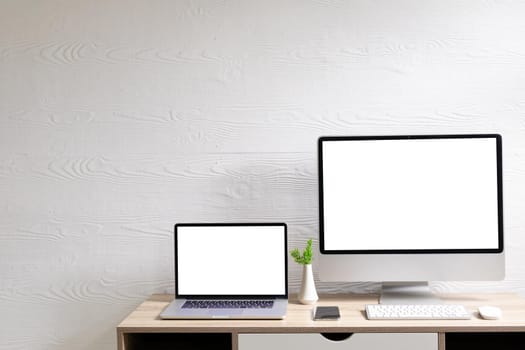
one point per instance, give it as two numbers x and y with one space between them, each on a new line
405 210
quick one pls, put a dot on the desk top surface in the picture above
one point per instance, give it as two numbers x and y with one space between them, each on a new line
353 319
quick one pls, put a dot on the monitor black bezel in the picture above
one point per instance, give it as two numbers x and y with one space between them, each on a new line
231 296
497 138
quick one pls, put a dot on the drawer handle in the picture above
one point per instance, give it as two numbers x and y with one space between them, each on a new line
337 336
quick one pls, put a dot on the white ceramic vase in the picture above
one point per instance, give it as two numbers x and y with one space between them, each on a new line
308 294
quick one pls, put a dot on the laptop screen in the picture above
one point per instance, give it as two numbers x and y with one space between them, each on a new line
230 260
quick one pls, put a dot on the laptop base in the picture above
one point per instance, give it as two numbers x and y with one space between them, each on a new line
175 311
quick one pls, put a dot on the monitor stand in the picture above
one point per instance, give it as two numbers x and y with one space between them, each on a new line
407 293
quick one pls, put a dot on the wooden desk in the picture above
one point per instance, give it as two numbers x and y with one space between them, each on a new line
143 325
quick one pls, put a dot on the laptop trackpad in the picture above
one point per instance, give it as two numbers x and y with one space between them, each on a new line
225 312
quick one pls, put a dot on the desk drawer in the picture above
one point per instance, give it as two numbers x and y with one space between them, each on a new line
358 341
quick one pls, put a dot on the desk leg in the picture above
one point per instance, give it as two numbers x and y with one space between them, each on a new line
235 341
441 341
121 344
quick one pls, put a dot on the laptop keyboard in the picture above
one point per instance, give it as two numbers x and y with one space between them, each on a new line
228 304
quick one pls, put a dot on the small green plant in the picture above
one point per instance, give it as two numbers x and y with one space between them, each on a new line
306 257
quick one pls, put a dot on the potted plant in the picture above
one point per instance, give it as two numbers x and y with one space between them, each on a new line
307 294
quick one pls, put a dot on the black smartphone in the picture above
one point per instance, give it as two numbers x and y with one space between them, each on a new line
327 313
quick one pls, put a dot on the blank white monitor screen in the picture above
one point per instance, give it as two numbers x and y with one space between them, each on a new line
231 260
429 194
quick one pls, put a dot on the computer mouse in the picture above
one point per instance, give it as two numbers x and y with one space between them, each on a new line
489 312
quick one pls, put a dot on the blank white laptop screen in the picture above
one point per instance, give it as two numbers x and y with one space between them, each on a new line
410 194
231 260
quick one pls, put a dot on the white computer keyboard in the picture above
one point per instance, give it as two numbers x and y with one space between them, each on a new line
417 312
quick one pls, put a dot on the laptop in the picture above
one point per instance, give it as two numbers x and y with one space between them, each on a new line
230 271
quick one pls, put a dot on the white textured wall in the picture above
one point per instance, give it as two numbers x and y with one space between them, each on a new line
119 118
